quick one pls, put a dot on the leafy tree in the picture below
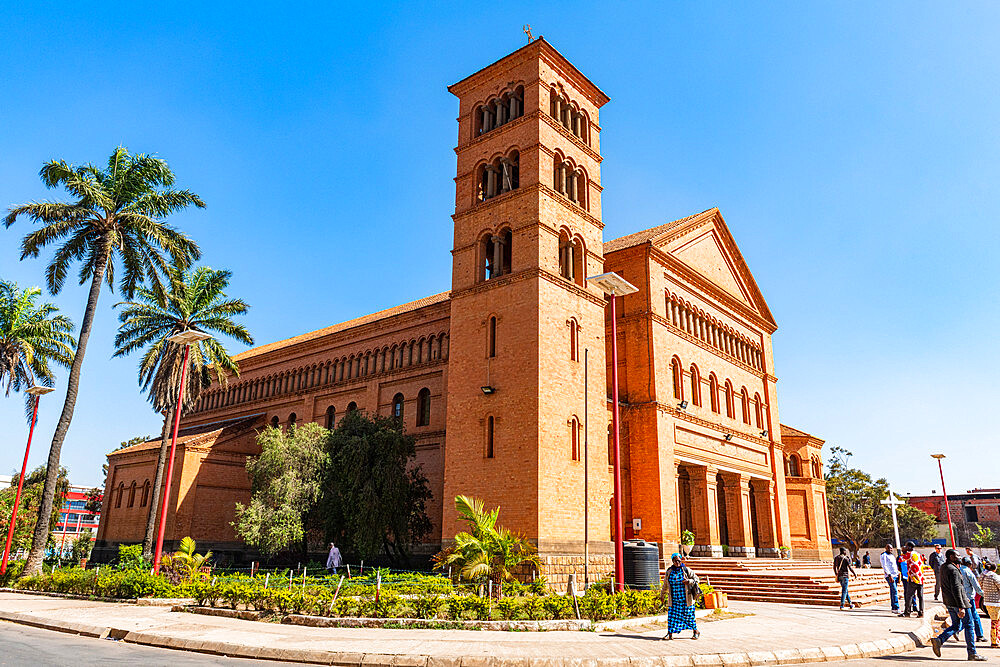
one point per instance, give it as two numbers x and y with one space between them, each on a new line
31 336
27 513
853 498
285 485
984 537
915 524
116 220
194 298
83 545
486 551
374 497
95 497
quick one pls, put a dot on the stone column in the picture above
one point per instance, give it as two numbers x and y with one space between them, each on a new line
562 178
764 490
704 511
558 108
497 257
738 514
491 182
571 190
513 107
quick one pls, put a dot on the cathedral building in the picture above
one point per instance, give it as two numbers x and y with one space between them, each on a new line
504 380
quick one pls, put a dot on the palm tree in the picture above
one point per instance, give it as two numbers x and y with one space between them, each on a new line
116 219
193 299
31 336
487 551
185 561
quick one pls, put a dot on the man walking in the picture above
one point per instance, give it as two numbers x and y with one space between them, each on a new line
977 562
842 568
333 559
990 583
958 604
936 560
891 576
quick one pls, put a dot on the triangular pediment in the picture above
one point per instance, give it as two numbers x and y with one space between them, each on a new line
705 244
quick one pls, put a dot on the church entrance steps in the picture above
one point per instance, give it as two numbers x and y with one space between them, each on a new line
789 581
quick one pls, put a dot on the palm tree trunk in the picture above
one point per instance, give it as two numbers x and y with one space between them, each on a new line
154 503
41 535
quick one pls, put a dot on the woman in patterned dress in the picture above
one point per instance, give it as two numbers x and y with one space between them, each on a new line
677 592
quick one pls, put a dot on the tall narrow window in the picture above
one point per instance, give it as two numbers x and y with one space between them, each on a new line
574 438
274 421
131 495
424 407
675 367
793 466
331 417
489 437
121 493
291 419
397 406
491 342
745 405
352 407
145 493
758 411
574 340
695 385
713 389
730 401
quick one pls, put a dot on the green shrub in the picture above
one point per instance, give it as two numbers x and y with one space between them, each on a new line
130 558
428 606
14 569
132 584
558 607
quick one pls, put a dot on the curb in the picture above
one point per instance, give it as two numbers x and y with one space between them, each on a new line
782 657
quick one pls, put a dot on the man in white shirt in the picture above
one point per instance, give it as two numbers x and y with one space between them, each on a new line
333 560
891 575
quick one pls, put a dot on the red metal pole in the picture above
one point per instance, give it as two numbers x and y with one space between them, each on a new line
170 465
947 508
20 483
619 530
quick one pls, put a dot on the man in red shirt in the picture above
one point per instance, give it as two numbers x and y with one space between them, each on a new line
913 587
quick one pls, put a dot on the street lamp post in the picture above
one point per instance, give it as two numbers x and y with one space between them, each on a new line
36 391
614 286
944 491
184 338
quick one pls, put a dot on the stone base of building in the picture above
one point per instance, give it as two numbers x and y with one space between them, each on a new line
743 552
768 552
706 550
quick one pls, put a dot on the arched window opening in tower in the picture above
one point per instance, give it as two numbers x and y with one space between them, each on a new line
499 111
713 388
675 367
569 116
574 437
331 417
574 340
496 255
570 181
500 176
490 427
695 386
397 406
571 257
424 407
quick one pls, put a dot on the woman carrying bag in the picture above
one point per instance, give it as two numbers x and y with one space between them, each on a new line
681 592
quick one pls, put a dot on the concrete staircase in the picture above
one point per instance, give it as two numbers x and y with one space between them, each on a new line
794 581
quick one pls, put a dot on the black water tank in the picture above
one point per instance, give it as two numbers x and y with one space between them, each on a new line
641 561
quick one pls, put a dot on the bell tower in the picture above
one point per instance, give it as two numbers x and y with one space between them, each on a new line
528 232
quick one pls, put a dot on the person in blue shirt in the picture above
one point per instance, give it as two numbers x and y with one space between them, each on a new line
972 589
891 571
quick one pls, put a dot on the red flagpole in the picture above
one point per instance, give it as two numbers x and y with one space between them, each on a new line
170 465
20 483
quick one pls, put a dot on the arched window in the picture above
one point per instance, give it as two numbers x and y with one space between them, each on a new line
713 389
758 411
695 386
499 111
794 469
574 438
496 255
500 176
145 494
675 367
745 405
352 407
424 407
570 181
291 419
730 401
571 259
274 421
131 495
331 417
574 340
490 427
491 338
397 406
121 494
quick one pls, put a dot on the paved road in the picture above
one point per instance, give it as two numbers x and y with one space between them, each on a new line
24 645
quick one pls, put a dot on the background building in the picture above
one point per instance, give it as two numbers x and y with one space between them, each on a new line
702 445
969 509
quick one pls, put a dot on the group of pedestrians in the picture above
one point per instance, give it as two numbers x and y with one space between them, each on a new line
963 582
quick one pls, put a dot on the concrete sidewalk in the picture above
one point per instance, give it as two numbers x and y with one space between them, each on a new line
775 634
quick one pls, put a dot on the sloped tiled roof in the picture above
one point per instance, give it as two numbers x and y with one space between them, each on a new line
343 326
649 235
192 435
793 432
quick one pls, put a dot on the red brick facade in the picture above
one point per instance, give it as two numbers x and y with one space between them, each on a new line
522 323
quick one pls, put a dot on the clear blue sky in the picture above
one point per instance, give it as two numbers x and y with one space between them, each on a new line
852 148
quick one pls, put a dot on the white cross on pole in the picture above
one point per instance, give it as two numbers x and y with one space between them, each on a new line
893 503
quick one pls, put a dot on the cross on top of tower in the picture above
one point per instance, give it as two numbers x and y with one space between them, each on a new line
527 31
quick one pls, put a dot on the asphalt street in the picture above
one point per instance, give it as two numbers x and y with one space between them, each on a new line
24 645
